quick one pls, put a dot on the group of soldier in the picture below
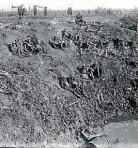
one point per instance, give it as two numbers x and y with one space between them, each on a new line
35 10
57 43
91 71
22 10
28 47
71 84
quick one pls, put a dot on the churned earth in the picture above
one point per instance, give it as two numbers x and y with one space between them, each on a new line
36 112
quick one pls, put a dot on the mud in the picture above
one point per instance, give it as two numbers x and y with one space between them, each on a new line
38 110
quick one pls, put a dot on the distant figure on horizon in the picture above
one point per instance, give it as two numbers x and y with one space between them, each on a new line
35 10
69 11
45 11
21 11
29 8
78 18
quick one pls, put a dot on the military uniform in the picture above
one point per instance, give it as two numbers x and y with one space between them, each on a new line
20 11
69 11
45 11
35 10
79 18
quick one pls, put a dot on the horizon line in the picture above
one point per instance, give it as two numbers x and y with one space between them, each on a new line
78 9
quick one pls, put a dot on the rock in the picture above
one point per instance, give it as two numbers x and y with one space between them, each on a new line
18 26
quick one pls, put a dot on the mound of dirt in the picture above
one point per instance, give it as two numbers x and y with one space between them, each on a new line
38 110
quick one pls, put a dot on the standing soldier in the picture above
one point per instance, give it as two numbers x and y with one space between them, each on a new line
78 18
35 10
20 11
45 11
29 8
69 11
24 11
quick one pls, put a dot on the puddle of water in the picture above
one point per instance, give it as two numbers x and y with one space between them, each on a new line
125 130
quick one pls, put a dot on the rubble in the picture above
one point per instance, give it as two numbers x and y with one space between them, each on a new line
62 88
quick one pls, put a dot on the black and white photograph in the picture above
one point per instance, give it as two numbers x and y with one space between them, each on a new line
68 74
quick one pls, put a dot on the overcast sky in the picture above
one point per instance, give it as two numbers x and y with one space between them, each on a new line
76 4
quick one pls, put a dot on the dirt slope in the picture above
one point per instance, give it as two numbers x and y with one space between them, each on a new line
37 110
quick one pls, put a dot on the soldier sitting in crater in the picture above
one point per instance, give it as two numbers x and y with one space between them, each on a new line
73 84
56 43
97 71
63 82
34 40
83 71
77 38
28 44
83 43
53 42
105 43
131 45
65 34
14 47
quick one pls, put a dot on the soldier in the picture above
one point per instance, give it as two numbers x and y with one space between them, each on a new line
35 10
131 45
69 11
20 11
28 45
63 82
96 70
105 45
34 40
45 11
54 42
63 33
67 34
79 18
29 8
14 48
77 38
71 81
23 10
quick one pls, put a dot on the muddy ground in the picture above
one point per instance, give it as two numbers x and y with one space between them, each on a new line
39 111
